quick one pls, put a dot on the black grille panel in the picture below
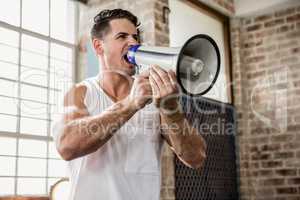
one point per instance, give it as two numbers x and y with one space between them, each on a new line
218 178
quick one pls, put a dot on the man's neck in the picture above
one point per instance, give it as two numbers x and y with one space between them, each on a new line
116 85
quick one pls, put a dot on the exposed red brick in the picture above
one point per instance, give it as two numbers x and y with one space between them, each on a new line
292 35
284 155
289 60
247 21
255 59
254 27
295 127
295 50
249 44
292 144
294 181
271 147
261 156
272 182
285 28
288 44
271 164
265 172
286 172
287 190
282 138
263 18
273 23
293 18
285 12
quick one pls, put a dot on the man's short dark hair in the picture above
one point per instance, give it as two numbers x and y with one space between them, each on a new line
101 21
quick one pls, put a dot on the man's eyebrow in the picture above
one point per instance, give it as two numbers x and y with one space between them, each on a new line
124 33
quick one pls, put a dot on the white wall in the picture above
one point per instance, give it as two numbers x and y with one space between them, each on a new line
186 21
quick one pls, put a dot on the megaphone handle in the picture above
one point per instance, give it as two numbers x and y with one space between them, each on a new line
137 69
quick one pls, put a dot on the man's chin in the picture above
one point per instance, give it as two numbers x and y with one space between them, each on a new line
128 71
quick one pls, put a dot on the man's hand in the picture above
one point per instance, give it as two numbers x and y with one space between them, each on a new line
184 140
164 88
141 92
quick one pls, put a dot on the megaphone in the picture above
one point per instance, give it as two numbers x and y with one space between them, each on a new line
196 63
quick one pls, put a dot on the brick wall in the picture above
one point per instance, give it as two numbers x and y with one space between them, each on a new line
266 75
224 6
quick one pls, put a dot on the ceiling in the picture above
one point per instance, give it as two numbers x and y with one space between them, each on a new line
249 7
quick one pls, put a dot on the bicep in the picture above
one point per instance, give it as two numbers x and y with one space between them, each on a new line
73 108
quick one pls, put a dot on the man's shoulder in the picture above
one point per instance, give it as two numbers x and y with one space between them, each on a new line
76 94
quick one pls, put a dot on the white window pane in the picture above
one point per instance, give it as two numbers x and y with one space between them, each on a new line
7 146
33 93
8 123
8 88
34 148
57 168
8 105
35 15
52 151
34 76
36 45
7 186
33 126
31 186
31 167
9 54
63 20
34 60
7 167
57 112
56 80
60 52
55 97
61 67
10 12
9 37
8 70
32 109
61 83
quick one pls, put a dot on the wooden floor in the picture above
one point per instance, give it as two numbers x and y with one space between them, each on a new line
25 198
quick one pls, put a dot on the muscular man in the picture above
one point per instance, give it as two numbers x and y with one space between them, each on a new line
115 123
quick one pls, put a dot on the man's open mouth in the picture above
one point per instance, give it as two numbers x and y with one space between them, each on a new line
126 58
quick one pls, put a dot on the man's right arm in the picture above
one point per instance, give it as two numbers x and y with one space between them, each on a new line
83 134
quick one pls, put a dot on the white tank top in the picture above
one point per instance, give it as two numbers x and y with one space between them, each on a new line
127 166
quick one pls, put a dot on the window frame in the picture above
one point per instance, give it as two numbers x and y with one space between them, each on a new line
17 135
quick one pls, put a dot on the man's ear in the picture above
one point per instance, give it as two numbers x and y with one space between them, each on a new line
98 46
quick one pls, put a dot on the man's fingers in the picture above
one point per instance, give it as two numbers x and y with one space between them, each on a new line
155 91
154 86
145 73
173 79
162 74
156 79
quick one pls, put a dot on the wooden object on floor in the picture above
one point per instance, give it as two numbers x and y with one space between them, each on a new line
24 198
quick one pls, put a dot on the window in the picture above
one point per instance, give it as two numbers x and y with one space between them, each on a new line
36 68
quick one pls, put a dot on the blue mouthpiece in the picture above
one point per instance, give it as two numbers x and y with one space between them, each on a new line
131 54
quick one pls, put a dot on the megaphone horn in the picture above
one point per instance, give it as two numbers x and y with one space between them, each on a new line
196 63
